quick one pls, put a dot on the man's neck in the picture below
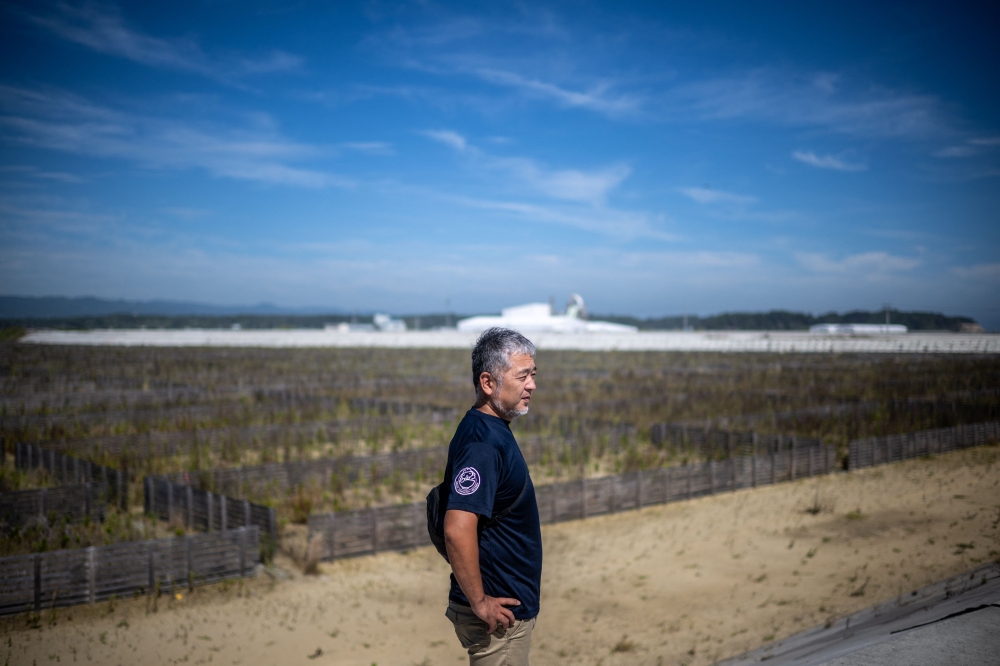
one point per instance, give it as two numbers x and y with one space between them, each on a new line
487 408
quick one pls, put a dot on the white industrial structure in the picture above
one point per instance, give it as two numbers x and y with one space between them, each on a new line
539 318
857 329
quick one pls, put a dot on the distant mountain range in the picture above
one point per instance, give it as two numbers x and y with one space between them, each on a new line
29 307
90 313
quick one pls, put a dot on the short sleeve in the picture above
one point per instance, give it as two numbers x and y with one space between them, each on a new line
475 476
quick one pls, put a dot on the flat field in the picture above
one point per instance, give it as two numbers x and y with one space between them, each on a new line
686 583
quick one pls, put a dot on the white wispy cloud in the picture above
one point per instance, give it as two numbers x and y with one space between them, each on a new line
590 187
105 31
370 147
598 98
56 120
34 172
447 137
988 272
613 223
827 161
706 195
820 100
970 147
861 263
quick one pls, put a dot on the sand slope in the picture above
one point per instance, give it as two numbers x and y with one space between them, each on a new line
685 583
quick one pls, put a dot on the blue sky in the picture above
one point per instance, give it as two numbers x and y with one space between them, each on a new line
390 156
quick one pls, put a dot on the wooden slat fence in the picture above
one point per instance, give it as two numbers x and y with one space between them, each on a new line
170 443
401 527
40 506
204 510
86 575
112 484
881 450
260 480
717 444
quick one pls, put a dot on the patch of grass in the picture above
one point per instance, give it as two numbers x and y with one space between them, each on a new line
624 645
856 515
860 592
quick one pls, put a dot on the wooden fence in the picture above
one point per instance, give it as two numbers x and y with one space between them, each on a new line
258 480
204 510
112 484
40 506
169 443
401 527
67 577
262 480
717 444
881 450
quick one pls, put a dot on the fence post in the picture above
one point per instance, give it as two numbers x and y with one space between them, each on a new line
86 500
148 495
583 496
38 583
711 475
246 513
792 465
774 467
638 489
170 500
223 513
240 534
688 480
42 497
811 449
189 501
209 509
374 518
331 535
272 524
76 469
190 562
122 489
91 575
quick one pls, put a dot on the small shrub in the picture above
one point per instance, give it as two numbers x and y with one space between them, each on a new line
624 645
313 552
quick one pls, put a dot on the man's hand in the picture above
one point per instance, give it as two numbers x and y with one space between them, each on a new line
491 611
461 538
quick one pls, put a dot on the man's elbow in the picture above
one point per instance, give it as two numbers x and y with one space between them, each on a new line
459 526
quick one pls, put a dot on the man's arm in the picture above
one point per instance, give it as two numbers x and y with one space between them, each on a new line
461 538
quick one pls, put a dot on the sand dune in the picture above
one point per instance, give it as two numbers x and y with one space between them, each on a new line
687 583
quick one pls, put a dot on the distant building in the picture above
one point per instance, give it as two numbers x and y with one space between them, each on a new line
539 318
857 329
384 322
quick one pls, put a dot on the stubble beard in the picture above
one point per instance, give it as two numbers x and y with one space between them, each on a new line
507 414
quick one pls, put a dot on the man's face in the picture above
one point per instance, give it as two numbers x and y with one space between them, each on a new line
517 386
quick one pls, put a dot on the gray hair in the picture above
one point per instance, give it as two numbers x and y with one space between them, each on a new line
493 351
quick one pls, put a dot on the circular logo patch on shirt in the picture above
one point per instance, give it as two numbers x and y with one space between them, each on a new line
467 481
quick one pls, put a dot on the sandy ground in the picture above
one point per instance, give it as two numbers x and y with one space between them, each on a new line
686 583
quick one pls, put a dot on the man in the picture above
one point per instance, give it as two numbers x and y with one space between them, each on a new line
496 567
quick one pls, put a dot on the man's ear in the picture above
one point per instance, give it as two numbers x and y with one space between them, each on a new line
486 383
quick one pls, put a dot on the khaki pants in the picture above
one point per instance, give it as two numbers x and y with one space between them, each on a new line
501 648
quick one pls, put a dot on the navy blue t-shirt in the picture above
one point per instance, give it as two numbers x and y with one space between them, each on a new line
487 472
